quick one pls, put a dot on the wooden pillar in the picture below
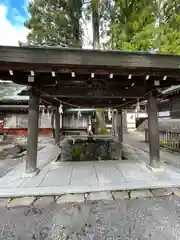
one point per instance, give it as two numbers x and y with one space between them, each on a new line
122 125
32 140
113 123
57 128
119 131
125 121
153 132
52 124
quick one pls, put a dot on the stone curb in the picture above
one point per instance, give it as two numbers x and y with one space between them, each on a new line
88 197
76 189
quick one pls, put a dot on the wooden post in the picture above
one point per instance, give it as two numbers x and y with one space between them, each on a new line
113 123
57 128
125 121
52 124
119 131
32 141
153 133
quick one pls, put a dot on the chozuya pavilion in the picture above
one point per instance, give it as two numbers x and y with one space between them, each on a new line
89 78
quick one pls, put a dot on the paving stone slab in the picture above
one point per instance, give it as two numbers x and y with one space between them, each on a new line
70 198
4 202
21 202
94 196
162 192
140 194
44 201
120 195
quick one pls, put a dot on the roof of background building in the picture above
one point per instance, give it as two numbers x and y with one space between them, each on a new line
171 89
10 91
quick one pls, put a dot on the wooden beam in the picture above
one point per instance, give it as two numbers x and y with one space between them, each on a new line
89 93
79 57
122 78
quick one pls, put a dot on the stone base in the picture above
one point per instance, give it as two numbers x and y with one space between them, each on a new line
120 195
21 202
155 169
70 198
31 175
140 194
96 196
162 192
45 200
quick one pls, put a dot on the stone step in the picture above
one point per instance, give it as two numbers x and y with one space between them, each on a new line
93 196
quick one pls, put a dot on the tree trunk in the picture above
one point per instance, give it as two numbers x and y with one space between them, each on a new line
95 23
100 120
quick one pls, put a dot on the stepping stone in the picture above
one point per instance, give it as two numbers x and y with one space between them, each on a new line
69 198
43 201
140 194
162 192
95 196
4 202
176 191
21 202
120 195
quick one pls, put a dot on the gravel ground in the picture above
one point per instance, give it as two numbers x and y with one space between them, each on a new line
138 219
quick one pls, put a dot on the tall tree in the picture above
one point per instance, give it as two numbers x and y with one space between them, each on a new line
55 22
133 25
143 25
168 40
95 23
99 13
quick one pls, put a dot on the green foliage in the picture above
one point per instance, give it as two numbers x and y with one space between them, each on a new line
141 25
138 25
168 40
105 131
76 153
133 25
55 23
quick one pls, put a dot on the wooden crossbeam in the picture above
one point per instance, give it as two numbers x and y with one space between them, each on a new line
81 57
88 93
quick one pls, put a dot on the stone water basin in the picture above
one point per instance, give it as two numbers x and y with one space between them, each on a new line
89 149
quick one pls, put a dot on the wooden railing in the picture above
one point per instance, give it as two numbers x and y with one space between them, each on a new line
168 139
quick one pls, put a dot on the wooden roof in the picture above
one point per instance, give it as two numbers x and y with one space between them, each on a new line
89 78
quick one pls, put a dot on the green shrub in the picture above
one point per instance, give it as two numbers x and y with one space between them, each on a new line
105 131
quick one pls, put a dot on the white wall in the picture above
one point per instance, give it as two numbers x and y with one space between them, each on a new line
15 120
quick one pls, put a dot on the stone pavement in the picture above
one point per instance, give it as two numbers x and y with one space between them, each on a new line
136 219
58 178
84 177
137 140
16 177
